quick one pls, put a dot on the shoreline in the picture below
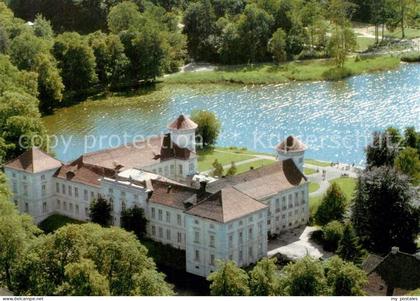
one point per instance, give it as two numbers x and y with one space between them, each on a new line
294 71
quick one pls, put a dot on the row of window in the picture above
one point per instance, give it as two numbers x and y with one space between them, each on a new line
241 232
290 201
167 235
73 209
168 215
74 191
241 222
123 194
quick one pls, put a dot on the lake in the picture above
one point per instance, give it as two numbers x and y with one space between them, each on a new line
335 119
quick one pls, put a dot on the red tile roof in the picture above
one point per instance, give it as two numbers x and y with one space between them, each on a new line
226 205
265 181
182 123
291 144
34 160
79 171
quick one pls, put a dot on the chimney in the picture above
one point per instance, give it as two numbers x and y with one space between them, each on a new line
395 250
169 188
202 190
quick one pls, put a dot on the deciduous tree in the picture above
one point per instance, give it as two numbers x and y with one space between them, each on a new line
208 127
228 280
100 212
264 278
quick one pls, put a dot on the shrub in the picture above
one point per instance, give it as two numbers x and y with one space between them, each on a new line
332 207
332 233
336 73
413 57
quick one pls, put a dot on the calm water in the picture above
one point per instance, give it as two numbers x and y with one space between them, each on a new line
334 119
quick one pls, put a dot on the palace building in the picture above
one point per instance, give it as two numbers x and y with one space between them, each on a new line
228 218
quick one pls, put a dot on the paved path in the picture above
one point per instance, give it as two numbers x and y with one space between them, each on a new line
295 244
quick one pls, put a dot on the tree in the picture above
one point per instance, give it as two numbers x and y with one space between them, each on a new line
124 16
50 84
232 169
88 258
16 232
332 207
133 220
208 127
228 280
100 212
412 138
255 25
341 43
217 168
76 61
381 151
277 45
305 277
295 40
200 26
408 162
401 12
315 23
82 279
111 61
349 247
332 233
264 279
42 28
4 40
382 213
344 278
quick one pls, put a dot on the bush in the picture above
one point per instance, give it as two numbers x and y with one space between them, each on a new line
336 73
332 207
332 233
413 57
53 222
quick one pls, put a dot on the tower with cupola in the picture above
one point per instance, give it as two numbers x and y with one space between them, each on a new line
182 132
292 148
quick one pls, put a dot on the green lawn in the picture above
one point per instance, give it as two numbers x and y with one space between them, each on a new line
363 43
348 185
207 157
256 164
317 163
314 203
410 33
309 171
267 73
53 222
313 187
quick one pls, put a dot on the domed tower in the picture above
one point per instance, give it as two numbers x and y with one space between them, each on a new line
182 132
292 148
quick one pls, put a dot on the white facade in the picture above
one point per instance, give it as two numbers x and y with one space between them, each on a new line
205 240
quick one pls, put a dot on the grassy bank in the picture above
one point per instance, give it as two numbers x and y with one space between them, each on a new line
311 70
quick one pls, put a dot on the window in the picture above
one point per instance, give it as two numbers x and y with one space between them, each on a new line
123 194
283 202
57 187
25 189
63 188
197 255
153 230
168 217
160 170
43 178
14 187
191 168
153 213
136 197
70 191
123 205
76 192
58 204
13 175
179 219
26 207
196 222
43 189
168 234
230 240
180 169
250 233
277 203
241 255
260 249
77 209
196 237
260 229
71 207
250 252
211 226
160 214
86 211
65 206
92 195
166 169
251 218
85 195
212 259
212 241
44 207
240 237
110 190
179 238
160 232
300 160
24 177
